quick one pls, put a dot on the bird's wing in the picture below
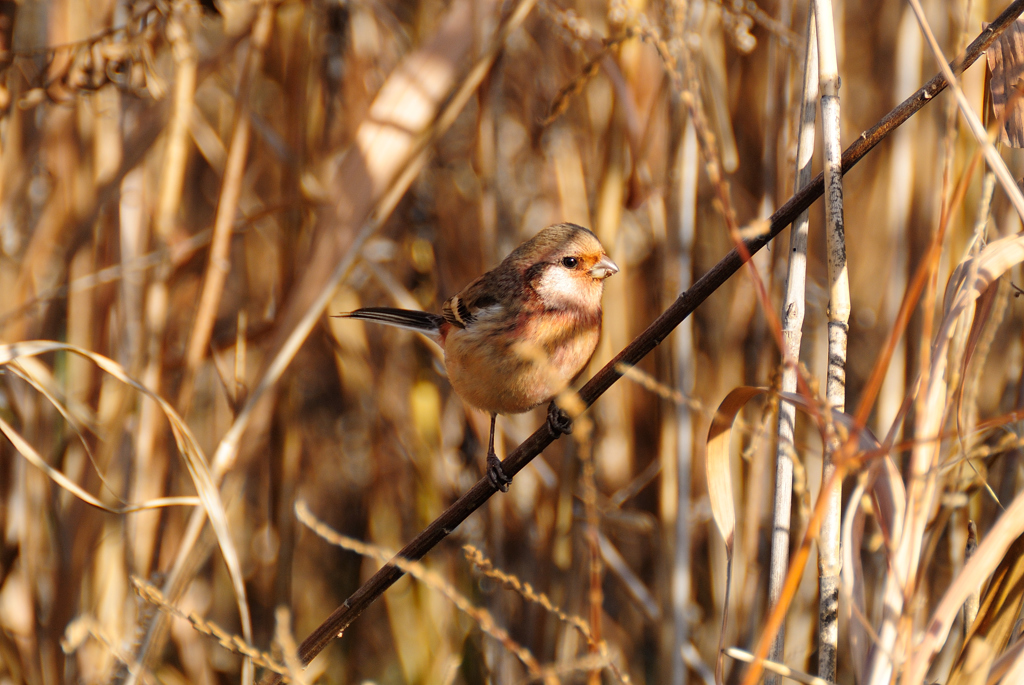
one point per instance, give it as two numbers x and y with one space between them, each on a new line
421 322
463 309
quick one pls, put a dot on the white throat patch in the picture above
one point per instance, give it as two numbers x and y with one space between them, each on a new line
559 287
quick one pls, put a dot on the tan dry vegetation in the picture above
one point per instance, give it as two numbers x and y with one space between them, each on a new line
186 195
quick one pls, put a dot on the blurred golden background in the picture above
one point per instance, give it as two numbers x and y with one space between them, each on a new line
181 185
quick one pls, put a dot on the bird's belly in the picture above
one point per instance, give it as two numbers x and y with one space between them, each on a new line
515 377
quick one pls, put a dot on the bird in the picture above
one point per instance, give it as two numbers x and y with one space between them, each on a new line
518 335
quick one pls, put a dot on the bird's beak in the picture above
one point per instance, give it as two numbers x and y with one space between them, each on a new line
604 268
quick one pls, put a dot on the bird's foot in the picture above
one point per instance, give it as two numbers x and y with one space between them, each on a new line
559 421
496 474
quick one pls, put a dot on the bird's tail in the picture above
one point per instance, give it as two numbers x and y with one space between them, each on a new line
421 322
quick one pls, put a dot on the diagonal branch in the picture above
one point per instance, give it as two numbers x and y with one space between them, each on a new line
344 615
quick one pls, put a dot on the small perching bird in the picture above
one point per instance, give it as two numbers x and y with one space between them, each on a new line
518 335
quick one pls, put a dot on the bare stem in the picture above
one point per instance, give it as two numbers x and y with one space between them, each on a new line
838 333
792 326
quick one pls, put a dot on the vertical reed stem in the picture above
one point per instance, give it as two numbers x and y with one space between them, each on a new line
829 553
792 326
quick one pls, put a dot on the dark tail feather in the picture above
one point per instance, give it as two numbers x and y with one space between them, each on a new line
421 322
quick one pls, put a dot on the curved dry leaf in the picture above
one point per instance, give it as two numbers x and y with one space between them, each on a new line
982 315
192 453
719 477
720 489
979 273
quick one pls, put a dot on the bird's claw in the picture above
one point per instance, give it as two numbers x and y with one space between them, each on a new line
499 479
559 421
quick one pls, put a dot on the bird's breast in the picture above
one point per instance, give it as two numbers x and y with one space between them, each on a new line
508 367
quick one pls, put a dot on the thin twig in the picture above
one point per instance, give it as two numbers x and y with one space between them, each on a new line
776 667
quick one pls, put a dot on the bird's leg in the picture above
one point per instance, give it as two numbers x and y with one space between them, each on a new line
495 473
559 421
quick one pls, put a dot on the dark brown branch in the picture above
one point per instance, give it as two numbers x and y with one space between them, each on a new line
458 512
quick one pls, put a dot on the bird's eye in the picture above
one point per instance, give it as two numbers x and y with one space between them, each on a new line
570 262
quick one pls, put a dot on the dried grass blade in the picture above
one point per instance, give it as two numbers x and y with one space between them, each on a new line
889 504
17 369
889 497
982 319
990 553
1000 608
192 453
286 640
41 375
1009 667
229 641
58 477
972 278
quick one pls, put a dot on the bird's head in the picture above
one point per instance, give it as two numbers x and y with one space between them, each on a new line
566 265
